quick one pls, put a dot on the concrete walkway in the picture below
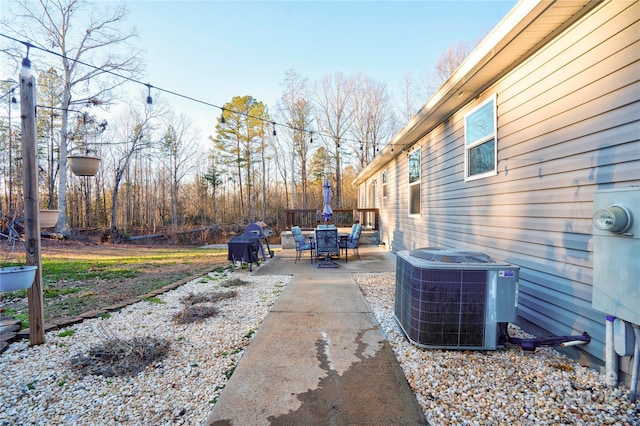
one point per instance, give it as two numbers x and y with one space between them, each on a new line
319 357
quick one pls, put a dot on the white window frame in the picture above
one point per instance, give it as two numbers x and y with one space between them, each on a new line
471 142
417 181
384 178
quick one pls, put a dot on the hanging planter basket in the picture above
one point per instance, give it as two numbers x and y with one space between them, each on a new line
83 165
14 278
49 218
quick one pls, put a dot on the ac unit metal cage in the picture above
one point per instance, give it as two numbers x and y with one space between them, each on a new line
453 299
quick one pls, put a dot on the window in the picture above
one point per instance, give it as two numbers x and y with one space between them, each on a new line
384 184
480 136
414 182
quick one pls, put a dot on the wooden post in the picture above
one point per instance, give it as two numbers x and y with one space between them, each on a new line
31 202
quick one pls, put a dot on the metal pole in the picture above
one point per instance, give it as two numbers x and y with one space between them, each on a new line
10 211
31 200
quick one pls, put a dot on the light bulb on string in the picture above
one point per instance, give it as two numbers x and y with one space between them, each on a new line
25 69
149 98
274 128
222 120
311 138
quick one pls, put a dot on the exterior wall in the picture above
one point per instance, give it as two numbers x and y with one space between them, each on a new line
568 124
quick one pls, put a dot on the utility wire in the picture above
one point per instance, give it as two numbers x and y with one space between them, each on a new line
190 98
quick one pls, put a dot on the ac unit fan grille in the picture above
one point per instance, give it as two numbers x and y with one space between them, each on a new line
443 307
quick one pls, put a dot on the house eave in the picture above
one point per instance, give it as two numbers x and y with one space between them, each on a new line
522 32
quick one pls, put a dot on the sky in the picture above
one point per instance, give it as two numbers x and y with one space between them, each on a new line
215 50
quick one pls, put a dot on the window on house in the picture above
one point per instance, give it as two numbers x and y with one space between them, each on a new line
414 182
384 184
480 137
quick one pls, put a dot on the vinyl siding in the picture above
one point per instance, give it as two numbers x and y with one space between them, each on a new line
568 124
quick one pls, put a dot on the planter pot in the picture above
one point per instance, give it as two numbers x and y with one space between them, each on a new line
49 218
82 165
14 278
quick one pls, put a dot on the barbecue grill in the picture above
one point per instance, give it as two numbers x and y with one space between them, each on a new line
244 248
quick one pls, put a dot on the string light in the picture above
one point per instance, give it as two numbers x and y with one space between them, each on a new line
222 120
149 98
27 64
274 129
25 70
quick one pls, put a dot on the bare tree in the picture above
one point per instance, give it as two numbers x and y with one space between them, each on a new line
297 113
80 32
135 135
414 93
408 102
373 118
450 61
335 116
50 91
177 152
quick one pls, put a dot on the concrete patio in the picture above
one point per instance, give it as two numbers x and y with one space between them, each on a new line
319 357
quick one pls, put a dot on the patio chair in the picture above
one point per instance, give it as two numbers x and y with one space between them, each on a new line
352 241
327 247
301 243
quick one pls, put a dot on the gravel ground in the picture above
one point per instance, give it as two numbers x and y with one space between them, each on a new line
41 386
508 386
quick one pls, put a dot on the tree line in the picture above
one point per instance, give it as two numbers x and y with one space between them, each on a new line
156 169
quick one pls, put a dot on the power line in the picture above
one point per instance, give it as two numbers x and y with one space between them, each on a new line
180 95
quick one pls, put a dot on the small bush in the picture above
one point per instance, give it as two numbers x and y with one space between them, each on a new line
118 357
194 299
236 282
195 313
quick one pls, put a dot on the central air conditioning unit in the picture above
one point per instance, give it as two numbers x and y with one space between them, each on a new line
453 299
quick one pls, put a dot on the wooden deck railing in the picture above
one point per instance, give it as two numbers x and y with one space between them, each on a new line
342 218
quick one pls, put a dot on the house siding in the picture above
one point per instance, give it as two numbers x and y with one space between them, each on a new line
568 124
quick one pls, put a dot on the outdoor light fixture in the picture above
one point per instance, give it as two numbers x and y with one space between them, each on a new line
274 128
25 70
311 138
149 98
13 97
222 120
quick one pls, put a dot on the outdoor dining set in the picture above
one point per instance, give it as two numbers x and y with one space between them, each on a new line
327 244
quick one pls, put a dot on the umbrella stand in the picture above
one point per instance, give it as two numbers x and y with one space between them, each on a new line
327 213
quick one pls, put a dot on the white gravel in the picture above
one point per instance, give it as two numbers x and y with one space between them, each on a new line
40 387
506 386
502 387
